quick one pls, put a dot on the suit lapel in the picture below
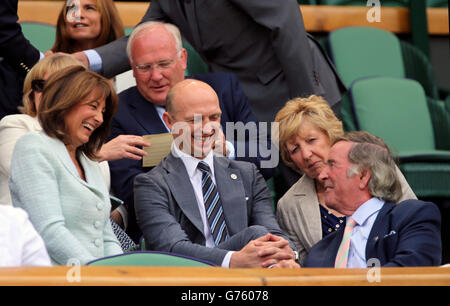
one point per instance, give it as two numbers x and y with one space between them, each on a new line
63 155
232 194
306 202
181 188
145 114
378 229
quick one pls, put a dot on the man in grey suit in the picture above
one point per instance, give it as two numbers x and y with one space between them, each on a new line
263 42
203 205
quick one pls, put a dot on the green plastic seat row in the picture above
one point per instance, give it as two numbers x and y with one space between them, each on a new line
396 110
364 51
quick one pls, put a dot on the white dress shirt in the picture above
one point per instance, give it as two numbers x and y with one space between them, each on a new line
365 217
20 244
195 176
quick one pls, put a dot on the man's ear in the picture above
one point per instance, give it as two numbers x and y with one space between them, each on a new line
183 58
168 120
364 178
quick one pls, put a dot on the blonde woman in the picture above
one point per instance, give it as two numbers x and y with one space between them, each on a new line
13 127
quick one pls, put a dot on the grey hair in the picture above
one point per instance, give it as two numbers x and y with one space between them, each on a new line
172 29
370 153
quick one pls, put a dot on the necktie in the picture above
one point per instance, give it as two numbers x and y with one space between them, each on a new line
213 205
342 254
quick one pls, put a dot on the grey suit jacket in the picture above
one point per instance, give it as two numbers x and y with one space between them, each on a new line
167 211
298 213
263 42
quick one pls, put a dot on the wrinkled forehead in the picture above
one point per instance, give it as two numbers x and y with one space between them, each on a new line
340 150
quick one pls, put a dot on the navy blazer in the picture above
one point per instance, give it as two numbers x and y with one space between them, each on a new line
18 57
403 235
137 116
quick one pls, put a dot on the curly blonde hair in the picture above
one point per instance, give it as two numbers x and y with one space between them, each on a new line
290 118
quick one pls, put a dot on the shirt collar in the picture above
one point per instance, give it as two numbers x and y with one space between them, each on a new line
191 162
160 110
366 210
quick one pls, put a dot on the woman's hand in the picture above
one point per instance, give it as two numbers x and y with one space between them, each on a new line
123 146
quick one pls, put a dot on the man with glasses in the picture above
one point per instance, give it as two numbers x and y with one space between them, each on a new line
159 62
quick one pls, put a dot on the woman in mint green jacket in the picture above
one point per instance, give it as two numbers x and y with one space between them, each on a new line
54 175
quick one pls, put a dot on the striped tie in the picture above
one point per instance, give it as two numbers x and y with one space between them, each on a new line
342 254
213 205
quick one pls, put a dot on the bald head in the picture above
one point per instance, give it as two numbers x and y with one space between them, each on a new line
190 93
193 115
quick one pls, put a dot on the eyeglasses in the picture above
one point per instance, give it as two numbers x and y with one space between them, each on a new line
37 85
161 66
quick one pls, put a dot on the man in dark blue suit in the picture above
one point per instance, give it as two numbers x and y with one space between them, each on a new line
159 62
18 56
360 182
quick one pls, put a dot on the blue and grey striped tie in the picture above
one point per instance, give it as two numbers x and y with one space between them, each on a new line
213 205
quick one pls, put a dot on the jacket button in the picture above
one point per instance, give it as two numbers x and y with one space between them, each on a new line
97 224
99 206
97 243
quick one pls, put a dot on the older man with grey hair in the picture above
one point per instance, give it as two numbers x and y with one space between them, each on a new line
360 182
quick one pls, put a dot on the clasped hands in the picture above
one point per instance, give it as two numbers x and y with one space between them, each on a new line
266 251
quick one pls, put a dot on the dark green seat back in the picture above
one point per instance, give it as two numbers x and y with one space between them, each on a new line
361 52
394 109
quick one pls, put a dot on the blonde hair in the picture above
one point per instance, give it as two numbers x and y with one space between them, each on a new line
111 27
295 112
47 66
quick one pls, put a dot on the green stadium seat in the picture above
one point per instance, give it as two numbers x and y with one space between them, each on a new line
195 64
396 110
41 35
147 258
356 53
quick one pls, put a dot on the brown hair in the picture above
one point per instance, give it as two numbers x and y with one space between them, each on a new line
47 66
63 91
111 27
292 115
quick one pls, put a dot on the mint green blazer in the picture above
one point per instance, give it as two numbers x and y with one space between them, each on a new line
71 215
